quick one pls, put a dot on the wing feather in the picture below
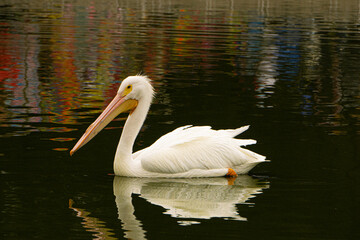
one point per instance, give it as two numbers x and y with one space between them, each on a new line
188 148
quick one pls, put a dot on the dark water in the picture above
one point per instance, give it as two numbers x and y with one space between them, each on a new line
290 70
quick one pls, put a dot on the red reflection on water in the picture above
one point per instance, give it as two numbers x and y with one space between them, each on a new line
9 65
9 71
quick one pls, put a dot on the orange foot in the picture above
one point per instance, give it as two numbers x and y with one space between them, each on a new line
231 176
231 180
231 173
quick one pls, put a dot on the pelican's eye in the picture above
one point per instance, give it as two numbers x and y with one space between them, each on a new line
127 90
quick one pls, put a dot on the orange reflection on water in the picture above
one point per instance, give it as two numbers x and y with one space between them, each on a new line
92 224
63 91
61 149
59 139
56 129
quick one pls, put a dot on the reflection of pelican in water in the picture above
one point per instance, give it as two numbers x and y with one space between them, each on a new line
187 199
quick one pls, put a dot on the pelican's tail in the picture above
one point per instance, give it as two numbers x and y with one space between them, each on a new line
235 132
253 159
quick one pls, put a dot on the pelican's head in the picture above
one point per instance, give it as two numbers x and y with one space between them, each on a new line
136 88
133 89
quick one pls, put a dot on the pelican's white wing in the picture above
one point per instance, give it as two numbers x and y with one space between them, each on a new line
188 148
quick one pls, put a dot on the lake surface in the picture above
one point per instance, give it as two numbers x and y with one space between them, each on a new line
289 70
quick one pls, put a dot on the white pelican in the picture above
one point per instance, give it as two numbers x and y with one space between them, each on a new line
183 153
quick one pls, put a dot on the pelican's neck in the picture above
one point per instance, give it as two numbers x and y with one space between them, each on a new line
130 131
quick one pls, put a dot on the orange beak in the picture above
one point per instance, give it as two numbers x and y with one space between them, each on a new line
118 105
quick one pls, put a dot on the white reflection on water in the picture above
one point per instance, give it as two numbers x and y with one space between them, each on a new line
186 199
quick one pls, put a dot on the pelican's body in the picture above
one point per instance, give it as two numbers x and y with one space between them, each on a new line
185 152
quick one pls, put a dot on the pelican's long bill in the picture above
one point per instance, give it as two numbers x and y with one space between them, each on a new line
118 105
